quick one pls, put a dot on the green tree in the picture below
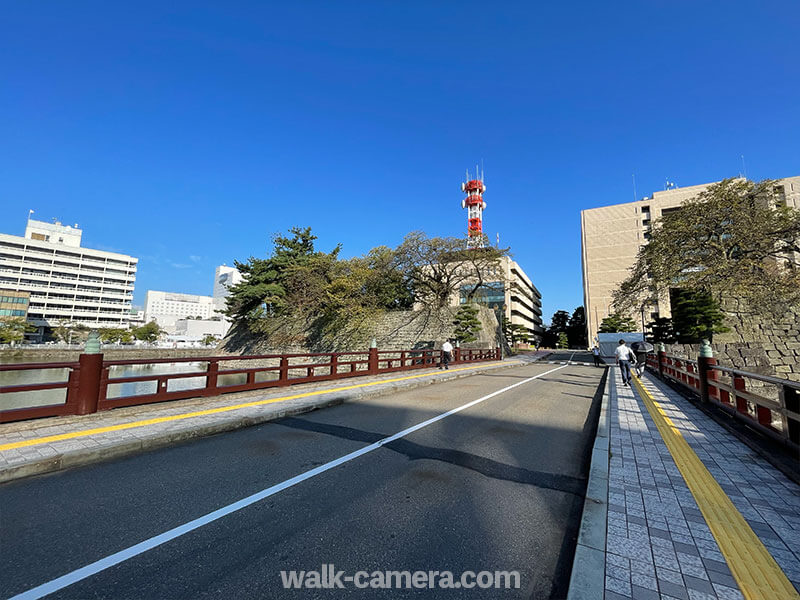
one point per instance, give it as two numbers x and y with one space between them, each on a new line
576 329
466 322
558 325
616 323
209 340
437 268
514 332
736 239
70 332
13 329
263 289
563 340
560 321
148 332
115 335
695 316
661 331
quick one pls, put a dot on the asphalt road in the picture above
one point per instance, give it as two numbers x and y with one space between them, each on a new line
496 486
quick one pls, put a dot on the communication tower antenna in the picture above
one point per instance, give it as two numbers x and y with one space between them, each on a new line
635 195
474 188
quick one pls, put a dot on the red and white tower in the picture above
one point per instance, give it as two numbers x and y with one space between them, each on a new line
475 206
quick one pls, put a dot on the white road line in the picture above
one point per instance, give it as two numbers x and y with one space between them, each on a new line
114 559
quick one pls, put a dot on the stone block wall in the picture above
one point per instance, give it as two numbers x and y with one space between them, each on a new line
394 330
758 344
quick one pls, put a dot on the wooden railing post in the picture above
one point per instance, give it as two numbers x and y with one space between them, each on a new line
283 376
661 356
334 364
372 361
498 353
790 399
704 361
211 378
740 385
91 368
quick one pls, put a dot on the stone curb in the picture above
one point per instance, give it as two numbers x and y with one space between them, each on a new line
587 581
86 456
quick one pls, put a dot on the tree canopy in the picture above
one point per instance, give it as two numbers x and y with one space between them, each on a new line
148 332
617 323
438 267
735 239
466 323
298 286
13 329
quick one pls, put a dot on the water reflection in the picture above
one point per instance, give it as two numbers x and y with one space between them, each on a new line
59 396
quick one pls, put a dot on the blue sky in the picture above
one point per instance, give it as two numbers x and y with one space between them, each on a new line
186 133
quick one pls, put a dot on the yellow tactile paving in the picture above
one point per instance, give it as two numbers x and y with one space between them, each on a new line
755 570
222 409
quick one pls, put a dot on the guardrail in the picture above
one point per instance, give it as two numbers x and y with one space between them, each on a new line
91 384
727 388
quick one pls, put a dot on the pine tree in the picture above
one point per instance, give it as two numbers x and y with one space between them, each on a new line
466 323
695 316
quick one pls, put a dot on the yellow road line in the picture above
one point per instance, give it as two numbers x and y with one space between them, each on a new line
755 570
213 411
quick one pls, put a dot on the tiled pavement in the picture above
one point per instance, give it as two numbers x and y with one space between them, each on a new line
658 543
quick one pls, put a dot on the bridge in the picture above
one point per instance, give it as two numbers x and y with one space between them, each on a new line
528 477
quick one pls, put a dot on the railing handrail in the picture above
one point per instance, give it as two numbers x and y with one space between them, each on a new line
761 412
738 372
765 378
38 366
89 379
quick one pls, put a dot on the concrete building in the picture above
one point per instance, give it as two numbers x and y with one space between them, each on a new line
166 308
66 282
224 278
612 235
14 303
198 329
507 288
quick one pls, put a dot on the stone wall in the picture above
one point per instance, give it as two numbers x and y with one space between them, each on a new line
768 346
394 330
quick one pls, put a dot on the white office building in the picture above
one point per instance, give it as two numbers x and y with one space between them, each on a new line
66 282
166 308
224 278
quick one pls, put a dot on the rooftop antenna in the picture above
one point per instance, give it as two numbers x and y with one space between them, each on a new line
744 167
30 212
635 195
498 239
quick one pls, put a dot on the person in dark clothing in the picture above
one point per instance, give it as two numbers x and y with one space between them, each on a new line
596 355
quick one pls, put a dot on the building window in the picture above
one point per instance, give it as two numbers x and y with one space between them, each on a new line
645 209
647 235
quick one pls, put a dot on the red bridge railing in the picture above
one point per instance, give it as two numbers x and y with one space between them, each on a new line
727 388
90 384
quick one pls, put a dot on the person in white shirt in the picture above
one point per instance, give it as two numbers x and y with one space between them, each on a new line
596 355
624 356
447 350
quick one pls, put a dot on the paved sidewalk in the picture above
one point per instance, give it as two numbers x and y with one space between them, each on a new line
44 445
659 545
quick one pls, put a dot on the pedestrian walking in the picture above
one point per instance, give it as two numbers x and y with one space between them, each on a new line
447 354
596 355
624 356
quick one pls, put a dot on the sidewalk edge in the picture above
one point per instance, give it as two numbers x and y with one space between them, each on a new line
587 580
